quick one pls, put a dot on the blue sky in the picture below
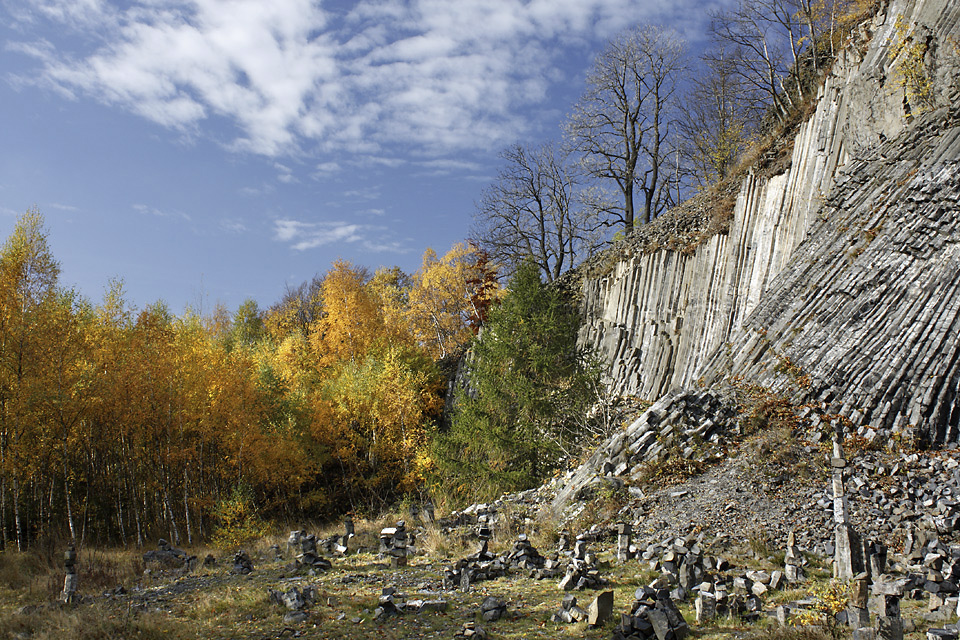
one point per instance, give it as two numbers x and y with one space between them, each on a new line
210 151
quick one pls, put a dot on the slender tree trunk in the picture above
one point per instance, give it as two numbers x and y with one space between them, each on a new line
3 508
171 518
16 514
66 495
123 532
186 508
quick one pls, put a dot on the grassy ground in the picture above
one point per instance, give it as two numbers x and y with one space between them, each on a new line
212 603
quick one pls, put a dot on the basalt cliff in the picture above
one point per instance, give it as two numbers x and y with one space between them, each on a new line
837 280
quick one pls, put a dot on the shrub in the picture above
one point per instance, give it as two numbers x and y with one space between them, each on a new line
237 519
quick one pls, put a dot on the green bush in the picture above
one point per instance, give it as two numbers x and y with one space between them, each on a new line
237 519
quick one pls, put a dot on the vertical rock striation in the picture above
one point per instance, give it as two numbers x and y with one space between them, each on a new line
845 260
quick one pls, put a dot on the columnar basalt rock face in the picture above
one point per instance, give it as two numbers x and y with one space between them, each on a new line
868 312
869 200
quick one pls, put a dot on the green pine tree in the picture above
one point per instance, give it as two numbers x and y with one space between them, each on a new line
529 391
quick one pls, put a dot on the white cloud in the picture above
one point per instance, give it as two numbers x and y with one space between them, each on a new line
310 235
233 225
432 76
157 213
302 236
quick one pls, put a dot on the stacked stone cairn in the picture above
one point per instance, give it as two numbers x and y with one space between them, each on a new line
295 600
471 630
166 556
848 549
793 560
596 614
625 549
582 571
569 611
524 556
394 544
652 615
393 603
484 565
481 565
69 592
241 563
307 556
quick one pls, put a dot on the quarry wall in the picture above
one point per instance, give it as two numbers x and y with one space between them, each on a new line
844 266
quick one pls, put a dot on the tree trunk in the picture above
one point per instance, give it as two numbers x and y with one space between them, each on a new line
16 514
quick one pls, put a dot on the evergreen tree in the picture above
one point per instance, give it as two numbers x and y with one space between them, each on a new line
528 390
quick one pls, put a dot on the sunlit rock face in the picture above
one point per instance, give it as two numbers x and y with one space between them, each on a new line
841 265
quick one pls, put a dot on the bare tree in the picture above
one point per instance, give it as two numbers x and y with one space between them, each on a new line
767 40
622 123
531 212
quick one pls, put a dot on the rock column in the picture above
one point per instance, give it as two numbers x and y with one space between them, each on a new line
858 616
792 560
624 535
848 556
70 581
889 622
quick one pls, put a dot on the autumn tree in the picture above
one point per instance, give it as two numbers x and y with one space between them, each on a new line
28 287
532 212
764 40
621 125
441 301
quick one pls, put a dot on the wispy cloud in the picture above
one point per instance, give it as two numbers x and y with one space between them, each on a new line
233 225
157 213
432 76
302 236
62 207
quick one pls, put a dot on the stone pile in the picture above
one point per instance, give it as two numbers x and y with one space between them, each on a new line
392 603
309 558
492 609
651 617
168 557
524 555
668 427
396 544
793 560
889 496
295 600
484 565
69 593
241 563
471 630
569 611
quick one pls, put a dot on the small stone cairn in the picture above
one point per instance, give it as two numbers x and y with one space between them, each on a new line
524 556
651 617
295 600
793 560
241 563
166 556
394 544
304 545
69 593
392 603
582 571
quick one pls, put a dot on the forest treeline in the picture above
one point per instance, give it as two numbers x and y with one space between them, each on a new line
124 424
